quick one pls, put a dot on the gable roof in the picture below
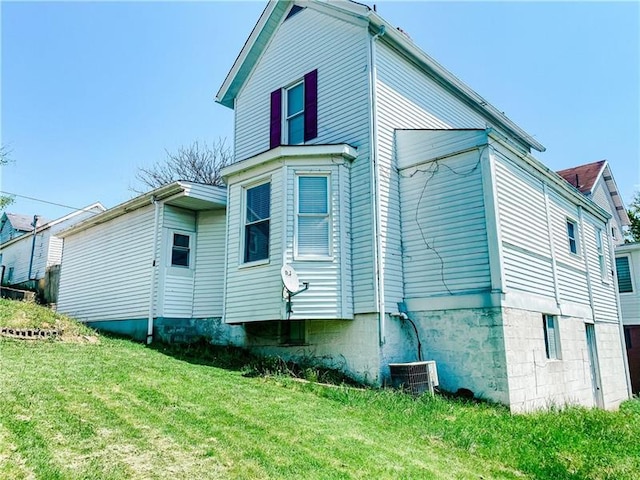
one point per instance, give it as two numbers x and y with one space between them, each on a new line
276 11
23 223
585 178
43 224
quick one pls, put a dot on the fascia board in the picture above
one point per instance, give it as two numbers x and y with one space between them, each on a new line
251 51
614 193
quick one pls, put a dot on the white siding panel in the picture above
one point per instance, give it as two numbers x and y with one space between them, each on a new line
523 228
55 251
254 293
106 269
406 99
339 51
444 227
326 278
209 274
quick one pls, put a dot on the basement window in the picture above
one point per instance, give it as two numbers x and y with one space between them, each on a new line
293 332
551 337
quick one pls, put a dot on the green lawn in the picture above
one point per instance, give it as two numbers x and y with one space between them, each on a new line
117 409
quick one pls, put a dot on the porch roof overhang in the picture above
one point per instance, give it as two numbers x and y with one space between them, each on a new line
183 194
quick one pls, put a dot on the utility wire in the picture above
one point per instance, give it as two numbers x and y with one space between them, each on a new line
42 201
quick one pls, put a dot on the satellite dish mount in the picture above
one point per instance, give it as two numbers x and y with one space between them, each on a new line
291 285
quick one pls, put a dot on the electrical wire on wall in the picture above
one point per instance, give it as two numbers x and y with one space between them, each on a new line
431 171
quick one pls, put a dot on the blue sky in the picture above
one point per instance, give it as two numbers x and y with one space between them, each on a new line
91 91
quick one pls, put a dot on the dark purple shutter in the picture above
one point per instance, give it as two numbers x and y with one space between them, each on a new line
311 105
275 137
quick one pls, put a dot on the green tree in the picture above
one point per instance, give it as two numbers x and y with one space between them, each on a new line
633 234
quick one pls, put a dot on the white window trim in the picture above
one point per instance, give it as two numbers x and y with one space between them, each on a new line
576 235
192 248
285 114
602 259
243 224
633 284
557 355
329 215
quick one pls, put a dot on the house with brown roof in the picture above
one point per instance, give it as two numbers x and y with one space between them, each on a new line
595 181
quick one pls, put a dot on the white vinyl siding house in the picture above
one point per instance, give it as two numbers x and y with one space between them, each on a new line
400 198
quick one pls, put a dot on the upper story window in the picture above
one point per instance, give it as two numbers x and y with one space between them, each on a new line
294 119
180 250
257 219
294 115
623 270
601 259
572 235
313 216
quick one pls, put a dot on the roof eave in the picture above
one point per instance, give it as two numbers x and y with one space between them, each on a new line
554 178
251 51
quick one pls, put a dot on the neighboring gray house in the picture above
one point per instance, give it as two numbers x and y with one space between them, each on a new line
26 261
12 225
394 191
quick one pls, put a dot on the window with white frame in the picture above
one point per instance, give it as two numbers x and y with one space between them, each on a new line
180 250
294 118
313 216
572 235
551 337
623 271
257 219
601 259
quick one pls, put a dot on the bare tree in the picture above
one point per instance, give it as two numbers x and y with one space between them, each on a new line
5 200
199 162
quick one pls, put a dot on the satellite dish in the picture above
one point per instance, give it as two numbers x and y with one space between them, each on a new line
290 278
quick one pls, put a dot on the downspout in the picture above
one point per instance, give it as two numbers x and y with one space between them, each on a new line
154 264
625 357
375 184
33 245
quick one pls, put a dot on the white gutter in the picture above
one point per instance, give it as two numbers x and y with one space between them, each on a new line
128 206
375 185
154 265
